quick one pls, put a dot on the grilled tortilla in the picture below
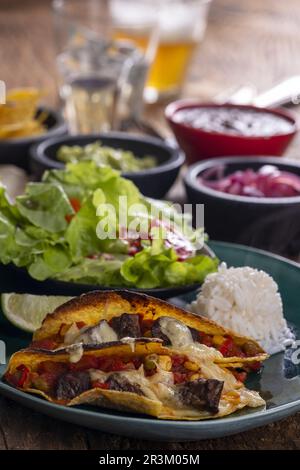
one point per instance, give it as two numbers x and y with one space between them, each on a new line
141 376
102 317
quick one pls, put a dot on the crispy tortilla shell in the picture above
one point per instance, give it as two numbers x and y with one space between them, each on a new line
104 305
122 400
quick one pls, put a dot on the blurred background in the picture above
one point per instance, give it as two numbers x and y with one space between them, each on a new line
245 42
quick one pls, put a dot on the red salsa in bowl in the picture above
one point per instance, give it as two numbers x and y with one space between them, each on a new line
207 130
235 121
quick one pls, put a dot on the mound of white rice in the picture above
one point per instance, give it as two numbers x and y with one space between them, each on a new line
248 302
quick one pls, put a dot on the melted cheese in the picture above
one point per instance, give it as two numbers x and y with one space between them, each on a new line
177 332
96 374
101 333
160 387
72 334
130 341
135 377
206 357
75 352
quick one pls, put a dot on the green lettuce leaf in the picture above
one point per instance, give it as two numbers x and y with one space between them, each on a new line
52 261
45 205
102 271
158 266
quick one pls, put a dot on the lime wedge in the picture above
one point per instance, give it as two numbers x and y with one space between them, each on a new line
26 311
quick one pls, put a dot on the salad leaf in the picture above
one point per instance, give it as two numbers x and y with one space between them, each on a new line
102 271
81 232
58 229
158 266
8 247
52 261
45 205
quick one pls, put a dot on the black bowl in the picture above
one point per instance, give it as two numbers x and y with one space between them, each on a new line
14 279
269 223
16 151
154 182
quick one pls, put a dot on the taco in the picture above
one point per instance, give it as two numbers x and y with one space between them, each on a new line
101 317
140 376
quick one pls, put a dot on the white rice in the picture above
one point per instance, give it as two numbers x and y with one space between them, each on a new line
246 301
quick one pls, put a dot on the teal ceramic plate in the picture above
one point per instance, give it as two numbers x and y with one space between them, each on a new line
279 382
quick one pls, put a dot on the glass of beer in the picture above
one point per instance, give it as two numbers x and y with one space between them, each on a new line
169 31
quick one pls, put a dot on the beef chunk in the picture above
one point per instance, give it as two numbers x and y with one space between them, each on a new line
157 333
127 325
121 384
202 394
71 384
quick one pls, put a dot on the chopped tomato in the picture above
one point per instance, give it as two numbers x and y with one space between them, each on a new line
205 339
229 349
44 344
93 256
69 217
24 374
119 364
75 203
177 362
179 377
241 376
99 384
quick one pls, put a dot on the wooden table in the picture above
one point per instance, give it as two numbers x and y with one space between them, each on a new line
249 41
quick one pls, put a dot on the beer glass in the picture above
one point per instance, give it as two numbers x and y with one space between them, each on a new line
180 26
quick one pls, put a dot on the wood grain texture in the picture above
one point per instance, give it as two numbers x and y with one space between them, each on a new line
247 41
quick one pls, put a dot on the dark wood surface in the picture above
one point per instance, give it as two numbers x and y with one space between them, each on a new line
247 41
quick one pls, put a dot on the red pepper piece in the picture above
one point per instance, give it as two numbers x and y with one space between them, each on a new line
229 349
241 376
98 384
75 203
205 339
24 375
177 360
179 377
226 346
